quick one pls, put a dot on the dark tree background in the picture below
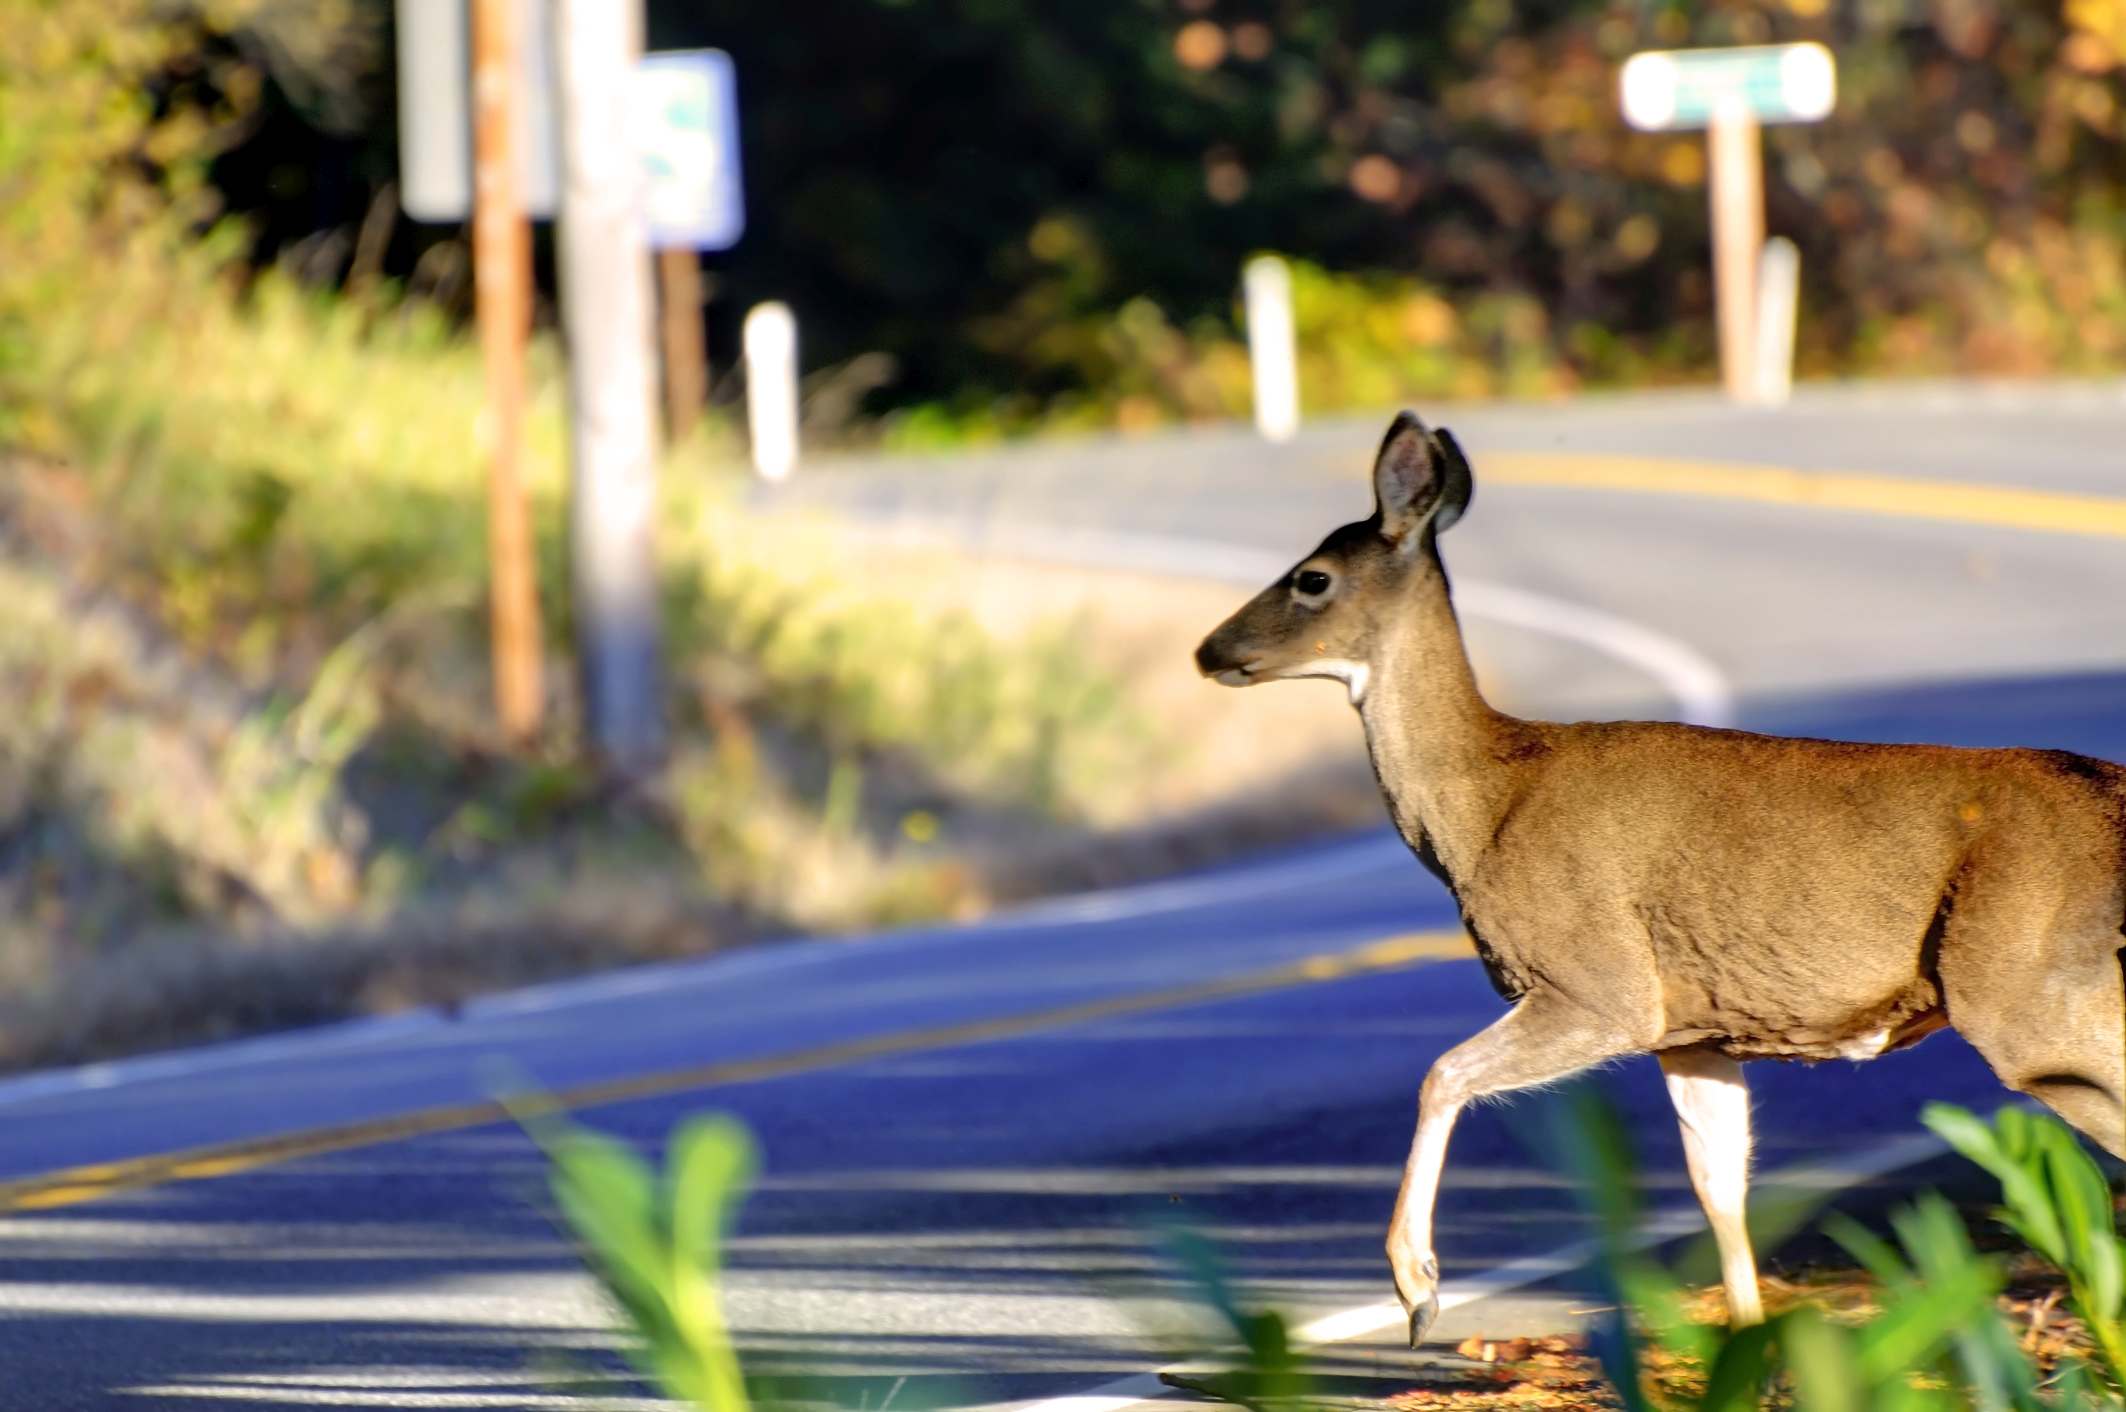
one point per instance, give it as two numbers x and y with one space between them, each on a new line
973 186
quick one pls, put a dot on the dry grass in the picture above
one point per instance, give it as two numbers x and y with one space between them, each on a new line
1217 745
187 854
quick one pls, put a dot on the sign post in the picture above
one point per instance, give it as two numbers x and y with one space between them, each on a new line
686 343
1735 189
501 262
594 90
1729 93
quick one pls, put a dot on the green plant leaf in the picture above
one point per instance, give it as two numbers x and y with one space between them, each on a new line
2085 1214
1876 1255
1206 1274
713 1160
1735 1380
2006 1150
609 1199
1907 1334
1657 1299
1823 1362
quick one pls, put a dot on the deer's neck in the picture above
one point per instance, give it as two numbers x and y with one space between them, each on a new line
1439 750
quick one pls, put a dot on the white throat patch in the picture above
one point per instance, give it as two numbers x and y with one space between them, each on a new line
1354 675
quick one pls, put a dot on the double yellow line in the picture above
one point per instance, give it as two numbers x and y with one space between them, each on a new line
1957 502
75 1185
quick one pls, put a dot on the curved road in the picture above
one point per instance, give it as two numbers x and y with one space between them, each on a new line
968 1131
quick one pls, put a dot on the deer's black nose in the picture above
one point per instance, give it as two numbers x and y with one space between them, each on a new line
1213 656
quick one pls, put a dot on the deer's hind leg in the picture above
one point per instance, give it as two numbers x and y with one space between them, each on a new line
1542 1039
2047 1011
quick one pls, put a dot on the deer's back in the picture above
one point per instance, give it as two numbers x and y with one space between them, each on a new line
1789 896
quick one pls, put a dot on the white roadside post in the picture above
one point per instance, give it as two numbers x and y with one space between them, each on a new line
1273 357
1730 92
603 256
1778 302
771 388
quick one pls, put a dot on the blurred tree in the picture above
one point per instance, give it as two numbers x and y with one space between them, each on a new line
986 189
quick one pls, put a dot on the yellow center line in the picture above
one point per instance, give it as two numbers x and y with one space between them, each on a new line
76 1185
1956 502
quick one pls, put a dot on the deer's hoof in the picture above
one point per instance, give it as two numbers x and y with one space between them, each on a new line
1421 1318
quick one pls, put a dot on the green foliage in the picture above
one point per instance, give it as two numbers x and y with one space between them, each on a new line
1045 231
288 482
1364 341
655 1242
1937 1341
2055 1198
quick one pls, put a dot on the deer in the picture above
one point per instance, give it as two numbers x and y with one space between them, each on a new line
1708 896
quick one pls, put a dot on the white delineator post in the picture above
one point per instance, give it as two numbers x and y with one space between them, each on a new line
607 313
771 388
1737 195
1273 356
1778 302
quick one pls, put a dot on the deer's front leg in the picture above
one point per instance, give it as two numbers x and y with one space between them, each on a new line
1541 1040
1713 1105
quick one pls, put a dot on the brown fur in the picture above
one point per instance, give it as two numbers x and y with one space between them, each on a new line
1645 886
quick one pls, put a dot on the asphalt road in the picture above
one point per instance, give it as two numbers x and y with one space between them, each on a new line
972 1133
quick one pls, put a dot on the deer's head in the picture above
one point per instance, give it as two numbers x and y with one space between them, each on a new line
1328 615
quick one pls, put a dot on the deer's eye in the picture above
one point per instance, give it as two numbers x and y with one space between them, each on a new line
1312 582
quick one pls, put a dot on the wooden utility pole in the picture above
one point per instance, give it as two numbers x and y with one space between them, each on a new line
501 253
1736 189
604 261
686 354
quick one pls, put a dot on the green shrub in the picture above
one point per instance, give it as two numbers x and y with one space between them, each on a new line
2056 1200
1937 1341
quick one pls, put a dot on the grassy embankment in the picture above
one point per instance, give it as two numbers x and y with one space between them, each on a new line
249 776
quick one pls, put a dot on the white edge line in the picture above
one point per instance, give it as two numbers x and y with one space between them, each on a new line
1699 688
1689 678
1823 1176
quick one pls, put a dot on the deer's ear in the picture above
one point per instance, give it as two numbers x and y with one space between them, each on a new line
1459 482
1419 478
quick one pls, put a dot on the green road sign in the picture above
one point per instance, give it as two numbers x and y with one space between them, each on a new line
1666 90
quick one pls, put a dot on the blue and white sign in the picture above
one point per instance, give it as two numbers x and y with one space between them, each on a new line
1670 90
689 135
